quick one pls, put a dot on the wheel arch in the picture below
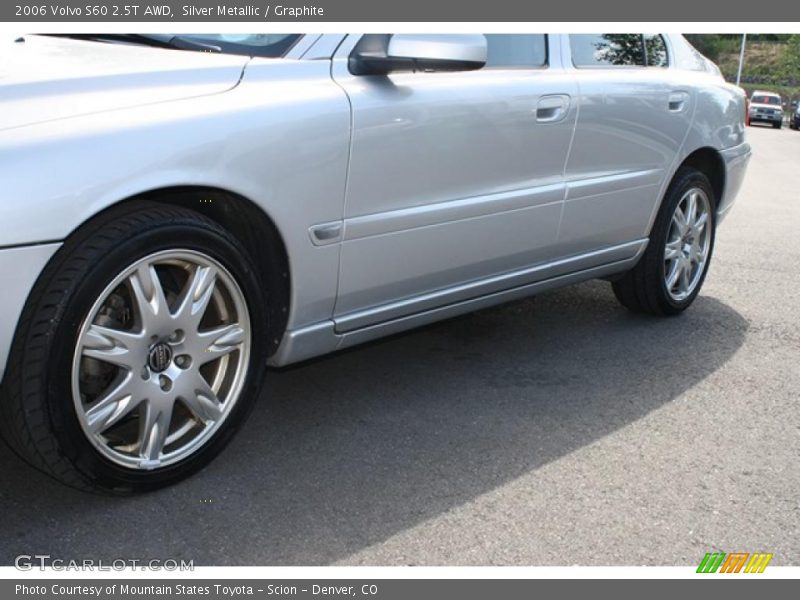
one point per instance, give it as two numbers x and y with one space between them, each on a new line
246 221
708 161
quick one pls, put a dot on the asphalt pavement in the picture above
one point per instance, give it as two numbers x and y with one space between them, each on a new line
555 430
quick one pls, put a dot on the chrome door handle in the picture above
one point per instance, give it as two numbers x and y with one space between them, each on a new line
678 101
552 108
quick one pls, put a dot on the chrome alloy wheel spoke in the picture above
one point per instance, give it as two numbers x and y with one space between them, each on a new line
687 246
153 392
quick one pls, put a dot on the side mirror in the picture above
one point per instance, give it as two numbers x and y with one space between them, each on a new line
382 54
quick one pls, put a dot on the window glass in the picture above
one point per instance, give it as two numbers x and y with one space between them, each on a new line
656 51
504 50
266 45
607 49
765 100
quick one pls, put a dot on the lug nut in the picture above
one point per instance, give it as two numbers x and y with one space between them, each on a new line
165 383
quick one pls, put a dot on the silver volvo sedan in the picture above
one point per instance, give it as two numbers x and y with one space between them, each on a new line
182 211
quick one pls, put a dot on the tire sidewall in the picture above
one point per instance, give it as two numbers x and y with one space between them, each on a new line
198 236
686 180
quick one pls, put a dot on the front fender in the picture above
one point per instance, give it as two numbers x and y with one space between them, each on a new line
280 139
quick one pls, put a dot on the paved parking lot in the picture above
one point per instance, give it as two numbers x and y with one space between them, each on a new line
555 430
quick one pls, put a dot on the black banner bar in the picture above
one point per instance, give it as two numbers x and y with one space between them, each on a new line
206 11
732 587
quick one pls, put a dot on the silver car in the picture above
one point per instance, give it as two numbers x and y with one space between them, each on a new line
182 211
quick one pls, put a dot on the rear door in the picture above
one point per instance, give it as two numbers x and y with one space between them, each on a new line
634 115
453 178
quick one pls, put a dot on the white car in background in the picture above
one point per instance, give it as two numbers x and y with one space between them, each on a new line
766 107
180 211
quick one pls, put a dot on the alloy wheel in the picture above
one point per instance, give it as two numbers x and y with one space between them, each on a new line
688 243
161 359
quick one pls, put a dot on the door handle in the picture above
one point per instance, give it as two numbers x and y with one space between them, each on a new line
325 233
678 101
552 108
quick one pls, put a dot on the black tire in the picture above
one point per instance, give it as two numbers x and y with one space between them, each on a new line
643 289
777 125
37 414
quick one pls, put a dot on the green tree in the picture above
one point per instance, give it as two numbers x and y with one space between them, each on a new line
706 43
790 60
619 49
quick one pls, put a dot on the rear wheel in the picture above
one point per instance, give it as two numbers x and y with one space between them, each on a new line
139 352
668 277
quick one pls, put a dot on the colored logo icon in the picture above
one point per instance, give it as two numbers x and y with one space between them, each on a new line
735 562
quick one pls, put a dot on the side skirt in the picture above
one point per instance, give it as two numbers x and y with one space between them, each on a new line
322 338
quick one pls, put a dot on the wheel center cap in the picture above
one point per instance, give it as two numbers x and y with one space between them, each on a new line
159 357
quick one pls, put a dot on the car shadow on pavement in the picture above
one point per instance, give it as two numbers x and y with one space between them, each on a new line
346 451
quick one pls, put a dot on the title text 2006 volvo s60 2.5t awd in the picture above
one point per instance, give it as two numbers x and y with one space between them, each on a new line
179 212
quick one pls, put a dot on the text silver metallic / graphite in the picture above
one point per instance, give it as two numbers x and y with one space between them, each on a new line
251 10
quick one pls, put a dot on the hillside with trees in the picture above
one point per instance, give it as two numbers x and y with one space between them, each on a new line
771 61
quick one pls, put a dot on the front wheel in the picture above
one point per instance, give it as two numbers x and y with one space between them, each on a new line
669 275
139 353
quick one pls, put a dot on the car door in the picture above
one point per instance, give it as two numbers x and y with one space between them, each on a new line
453 178
634 114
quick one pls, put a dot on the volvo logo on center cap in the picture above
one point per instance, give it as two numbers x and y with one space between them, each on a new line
160 357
